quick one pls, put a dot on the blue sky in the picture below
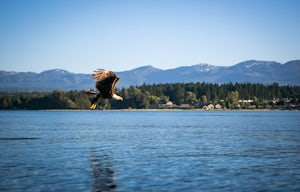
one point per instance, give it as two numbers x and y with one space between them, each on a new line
81 35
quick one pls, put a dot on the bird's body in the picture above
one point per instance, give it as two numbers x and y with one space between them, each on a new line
106 83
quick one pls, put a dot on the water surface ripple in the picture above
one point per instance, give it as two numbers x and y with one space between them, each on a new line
150 151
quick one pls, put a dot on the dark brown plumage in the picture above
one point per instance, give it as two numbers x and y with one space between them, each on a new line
106 83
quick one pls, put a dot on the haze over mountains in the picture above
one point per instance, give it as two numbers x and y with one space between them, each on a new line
252 71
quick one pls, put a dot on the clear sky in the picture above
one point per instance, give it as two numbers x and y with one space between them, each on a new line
81 35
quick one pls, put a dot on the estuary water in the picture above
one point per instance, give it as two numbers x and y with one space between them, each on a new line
149 151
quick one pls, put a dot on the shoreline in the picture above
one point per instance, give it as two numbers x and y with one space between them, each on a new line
150 110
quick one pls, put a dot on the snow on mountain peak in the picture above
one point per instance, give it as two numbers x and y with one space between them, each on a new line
254 63
203 67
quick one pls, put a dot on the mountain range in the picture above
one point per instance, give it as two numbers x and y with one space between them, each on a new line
252 71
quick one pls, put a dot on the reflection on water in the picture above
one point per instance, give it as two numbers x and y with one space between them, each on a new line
17 138
149 151
102 172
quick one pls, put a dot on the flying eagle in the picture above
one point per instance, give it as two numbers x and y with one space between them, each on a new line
106 83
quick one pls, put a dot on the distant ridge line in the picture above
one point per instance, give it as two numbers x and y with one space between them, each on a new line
251 71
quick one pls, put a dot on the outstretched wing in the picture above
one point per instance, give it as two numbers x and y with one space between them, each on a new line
114 84
106 82
101 74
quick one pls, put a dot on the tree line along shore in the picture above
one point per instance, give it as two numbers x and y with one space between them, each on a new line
166 96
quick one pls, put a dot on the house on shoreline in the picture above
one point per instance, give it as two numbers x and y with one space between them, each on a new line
275 104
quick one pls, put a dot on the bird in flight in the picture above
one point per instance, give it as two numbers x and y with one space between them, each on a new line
105 83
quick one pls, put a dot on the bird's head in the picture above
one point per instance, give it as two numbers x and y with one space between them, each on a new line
117 97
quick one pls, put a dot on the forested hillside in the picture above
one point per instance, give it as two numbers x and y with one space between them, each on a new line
252 71
176 95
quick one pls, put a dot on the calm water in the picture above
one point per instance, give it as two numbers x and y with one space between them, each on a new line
149 151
